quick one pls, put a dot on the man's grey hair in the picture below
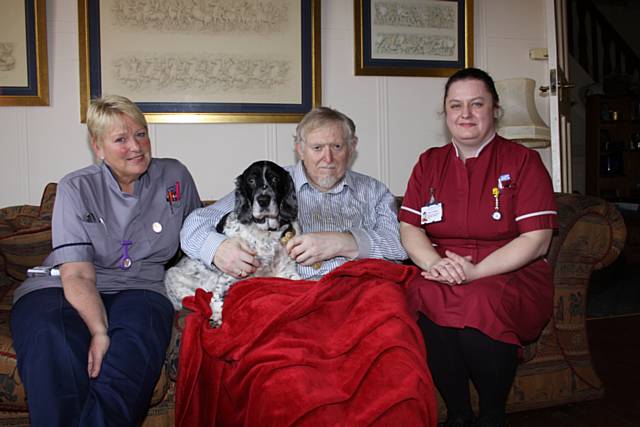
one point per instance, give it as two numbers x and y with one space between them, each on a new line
322 116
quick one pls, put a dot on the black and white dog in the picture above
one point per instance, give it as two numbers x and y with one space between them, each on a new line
264 217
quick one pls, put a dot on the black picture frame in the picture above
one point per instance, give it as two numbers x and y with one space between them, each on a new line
36 91
367 64
91 86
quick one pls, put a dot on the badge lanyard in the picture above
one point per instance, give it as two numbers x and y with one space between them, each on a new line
125 260
433 211
496 215
504 181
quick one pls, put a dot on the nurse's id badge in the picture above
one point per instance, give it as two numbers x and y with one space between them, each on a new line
431 213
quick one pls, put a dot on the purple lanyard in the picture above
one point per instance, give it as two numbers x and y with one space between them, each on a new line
125 261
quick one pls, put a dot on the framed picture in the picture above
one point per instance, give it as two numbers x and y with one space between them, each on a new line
217 61
24 78
413 37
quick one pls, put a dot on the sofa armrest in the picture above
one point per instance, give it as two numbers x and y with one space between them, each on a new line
25 235
591 235
16 218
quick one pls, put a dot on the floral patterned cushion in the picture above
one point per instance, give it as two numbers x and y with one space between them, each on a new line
25 235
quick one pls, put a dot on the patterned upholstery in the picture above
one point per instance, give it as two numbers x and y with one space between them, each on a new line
557 368
591 236
25 235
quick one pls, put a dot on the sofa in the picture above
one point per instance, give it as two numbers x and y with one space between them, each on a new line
555 370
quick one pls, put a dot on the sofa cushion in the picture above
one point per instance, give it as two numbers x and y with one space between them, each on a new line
12 394
25 249
16 218
7 286
46 202
25 235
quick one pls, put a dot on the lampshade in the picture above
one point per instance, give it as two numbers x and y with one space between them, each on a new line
521 121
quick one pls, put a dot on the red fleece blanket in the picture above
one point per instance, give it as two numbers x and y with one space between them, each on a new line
342 351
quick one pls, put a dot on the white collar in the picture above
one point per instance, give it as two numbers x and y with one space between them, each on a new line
484 144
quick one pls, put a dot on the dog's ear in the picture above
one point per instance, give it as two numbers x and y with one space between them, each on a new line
289 203
222 223
243 201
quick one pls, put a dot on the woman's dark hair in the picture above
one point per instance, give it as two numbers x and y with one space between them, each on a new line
473 74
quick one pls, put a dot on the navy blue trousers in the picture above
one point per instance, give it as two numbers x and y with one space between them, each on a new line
51 343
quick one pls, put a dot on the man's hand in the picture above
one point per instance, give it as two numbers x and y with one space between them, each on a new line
310 248
97 349
235 258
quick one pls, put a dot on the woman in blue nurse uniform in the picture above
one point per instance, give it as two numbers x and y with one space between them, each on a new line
91 337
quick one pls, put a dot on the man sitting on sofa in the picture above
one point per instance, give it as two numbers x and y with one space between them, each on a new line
343 214
284 339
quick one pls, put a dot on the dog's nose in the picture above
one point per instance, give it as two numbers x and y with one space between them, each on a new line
264 200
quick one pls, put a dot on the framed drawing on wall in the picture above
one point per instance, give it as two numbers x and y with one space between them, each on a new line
24 78
216 61
413 37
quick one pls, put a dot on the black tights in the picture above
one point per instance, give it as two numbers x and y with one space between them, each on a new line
456 356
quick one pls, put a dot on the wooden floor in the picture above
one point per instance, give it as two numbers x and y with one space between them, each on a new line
615 351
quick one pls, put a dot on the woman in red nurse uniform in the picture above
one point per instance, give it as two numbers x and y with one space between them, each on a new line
477 218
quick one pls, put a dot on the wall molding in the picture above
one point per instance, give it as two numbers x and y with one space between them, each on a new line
480 34
384 167
154 140
22 132
271 142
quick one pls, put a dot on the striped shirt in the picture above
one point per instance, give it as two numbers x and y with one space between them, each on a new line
358 204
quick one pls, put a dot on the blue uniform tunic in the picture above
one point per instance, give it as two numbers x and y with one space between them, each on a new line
92 218
129 238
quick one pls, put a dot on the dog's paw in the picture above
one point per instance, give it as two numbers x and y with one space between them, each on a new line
286 237
216 310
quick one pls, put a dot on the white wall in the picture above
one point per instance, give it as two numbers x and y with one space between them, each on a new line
397 117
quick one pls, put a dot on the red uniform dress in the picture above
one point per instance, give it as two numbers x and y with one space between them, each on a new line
511 307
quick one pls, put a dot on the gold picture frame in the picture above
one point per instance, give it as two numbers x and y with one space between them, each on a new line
24 76
434 39
217 57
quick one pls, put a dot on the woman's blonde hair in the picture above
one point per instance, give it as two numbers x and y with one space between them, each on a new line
104 111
